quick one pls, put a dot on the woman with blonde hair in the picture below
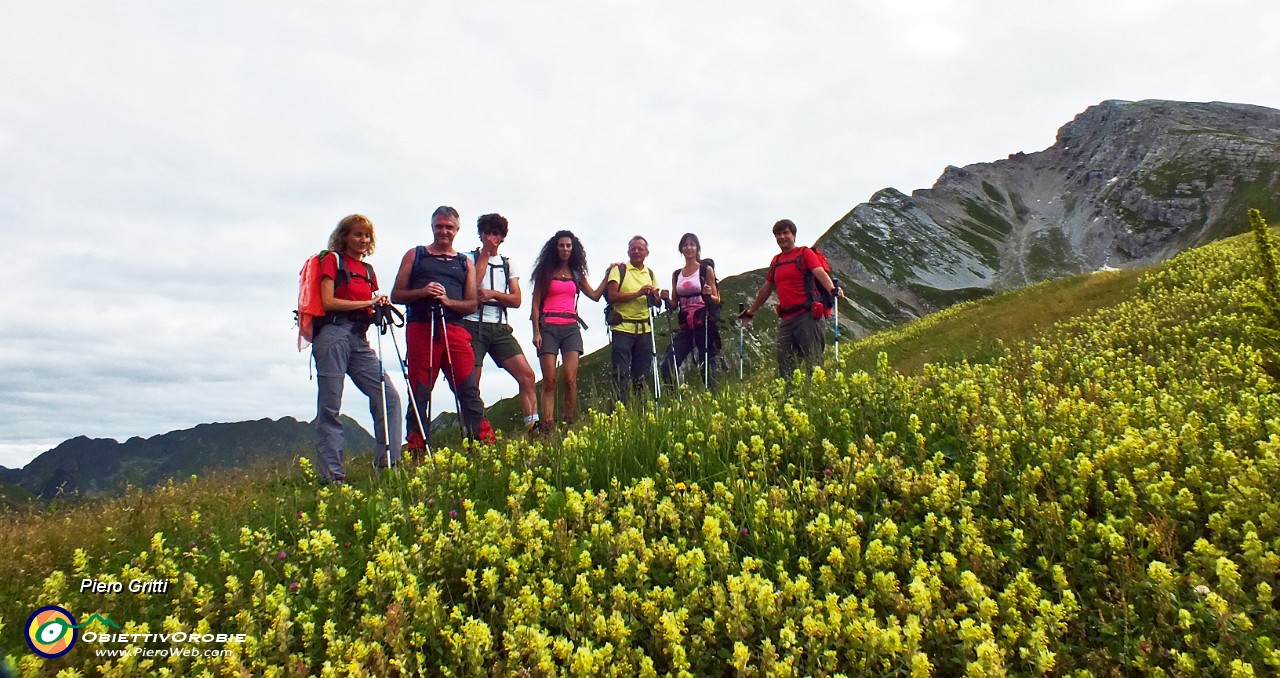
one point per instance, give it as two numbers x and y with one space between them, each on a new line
348 289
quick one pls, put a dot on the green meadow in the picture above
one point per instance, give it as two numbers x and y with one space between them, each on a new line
1081 477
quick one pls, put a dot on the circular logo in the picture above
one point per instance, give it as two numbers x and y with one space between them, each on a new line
51 632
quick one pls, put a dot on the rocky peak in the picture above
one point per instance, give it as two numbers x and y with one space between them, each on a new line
1125 184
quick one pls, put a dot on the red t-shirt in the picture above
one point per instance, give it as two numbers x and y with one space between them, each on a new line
358 287
788 279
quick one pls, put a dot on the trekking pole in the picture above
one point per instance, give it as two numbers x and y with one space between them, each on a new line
408 385
837 314
675 365
382 321
706 347
742 308
453 369
431 366
653 339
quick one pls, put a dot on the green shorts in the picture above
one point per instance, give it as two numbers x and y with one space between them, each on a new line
492 339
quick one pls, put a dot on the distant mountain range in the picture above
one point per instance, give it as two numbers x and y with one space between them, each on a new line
87 466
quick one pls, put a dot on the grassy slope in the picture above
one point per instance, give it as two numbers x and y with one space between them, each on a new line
971 331
1018 503
15 496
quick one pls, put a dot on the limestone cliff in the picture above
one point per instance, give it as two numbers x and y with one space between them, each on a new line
1125 184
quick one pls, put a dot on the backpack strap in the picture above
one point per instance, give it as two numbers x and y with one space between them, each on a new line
506 284
555 314
809 282
702 278
342 278
344 275
506 276
773 265
805 275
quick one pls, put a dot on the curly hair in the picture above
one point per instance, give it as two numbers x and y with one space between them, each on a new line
338 239
549 260
492 223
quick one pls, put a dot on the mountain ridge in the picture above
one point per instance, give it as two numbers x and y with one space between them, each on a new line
1125 184
88 466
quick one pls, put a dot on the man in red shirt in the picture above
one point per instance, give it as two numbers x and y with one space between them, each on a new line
799 334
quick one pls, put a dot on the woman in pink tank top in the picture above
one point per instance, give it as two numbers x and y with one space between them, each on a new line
559 274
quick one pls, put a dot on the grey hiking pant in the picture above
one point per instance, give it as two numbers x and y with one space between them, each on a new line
800 342
339 352
631 359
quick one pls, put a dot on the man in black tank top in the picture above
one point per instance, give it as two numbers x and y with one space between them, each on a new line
438 286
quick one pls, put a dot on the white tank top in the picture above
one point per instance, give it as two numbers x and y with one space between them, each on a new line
689 289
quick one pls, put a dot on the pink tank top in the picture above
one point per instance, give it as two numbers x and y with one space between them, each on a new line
561 295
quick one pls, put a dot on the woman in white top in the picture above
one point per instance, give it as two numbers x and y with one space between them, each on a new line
695 298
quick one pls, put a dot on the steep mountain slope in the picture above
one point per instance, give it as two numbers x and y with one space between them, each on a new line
1126 184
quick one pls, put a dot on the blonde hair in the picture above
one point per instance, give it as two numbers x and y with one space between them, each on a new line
338 239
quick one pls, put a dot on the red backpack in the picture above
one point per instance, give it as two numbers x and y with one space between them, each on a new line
817 300
310 314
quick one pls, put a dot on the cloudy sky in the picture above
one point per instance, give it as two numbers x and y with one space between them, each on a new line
166 167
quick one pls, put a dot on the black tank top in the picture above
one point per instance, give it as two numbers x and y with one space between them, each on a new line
450 270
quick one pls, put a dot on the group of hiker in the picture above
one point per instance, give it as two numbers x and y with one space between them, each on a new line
458 307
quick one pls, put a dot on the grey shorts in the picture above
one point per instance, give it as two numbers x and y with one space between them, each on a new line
494 339
558 339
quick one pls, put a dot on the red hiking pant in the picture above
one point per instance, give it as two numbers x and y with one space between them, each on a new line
432 349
